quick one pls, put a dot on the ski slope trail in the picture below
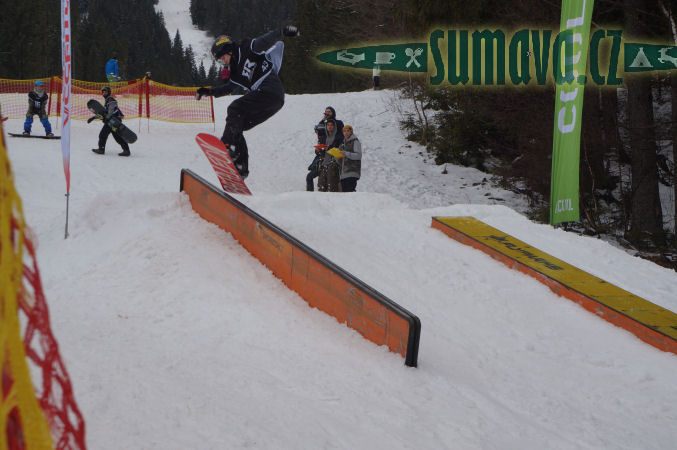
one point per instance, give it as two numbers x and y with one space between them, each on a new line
175 337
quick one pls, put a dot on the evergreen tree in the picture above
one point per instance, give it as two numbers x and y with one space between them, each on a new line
30 38
30 41
202 75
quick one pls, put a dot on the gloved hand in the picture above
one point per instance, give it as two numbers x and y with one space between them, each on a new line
98 116
202 92
290 30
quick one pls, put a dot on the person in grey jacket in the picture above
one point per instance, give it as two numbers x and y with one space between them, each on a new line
351 163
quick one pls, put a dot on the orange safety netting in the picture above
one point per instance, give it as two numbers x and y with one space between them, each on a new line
136 98
37 407
176 104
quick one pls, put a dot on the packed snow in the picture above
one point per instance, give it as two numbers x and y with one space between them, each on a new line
176 338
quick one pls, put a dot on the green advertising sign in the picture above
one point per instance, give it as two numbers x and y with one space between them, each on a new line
575 29
648 57
521 58
401 57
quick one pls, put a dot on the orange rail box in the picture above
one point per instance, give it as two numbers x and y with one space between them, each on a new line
317 280
651 323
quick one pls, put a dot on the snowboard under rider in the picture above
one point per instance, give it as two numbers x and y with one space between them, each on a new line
37 102
112 109
252 64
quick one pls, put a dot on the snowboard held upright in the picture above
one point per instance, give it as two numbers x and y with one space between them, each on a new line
218 156
113 122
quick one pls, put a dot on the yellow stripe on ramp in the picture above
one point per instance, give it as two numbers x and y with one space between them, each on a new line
650 322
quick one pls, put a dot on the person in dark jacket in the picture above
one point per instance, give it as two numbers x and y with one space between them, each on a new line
112 109
253 64
314 167
320 128
37 102
329 171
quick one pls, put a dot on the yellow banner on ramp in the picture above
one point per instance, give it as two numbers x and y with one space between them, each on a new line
648 321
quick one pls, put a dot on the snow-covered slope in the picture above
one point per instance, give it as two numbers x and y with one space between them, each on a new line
175 338
177 17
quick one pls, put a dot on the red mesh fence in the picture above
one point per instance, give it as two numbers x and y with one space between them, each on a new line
54 390
37 406
136 98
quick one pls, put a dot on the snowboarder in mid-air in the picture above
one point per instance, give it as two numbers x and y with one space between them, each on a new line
37 102
113 110
252 64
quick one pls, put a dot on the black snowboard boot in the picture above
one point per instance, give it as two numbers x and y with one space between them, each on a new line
99 151
240 160
124 153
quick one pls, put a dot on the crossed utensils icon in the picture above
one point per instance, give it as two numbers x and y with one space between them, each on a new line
413 54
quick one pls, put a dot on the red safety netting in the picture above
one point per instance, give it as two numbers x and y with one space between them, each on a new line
37 405
176 104
136 98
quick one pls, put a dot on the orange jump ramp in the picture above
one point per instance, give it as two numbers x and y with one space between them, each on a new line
648 321
321 283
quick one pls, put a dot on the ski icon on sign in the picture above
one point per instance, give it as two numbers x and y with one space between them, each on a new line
351 58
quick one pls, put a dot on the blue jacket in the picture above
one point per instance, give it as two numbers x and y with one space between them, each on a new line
112 67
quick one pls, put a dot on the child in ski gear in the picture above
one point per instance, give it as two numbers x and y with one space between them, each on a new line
253 64
112 74
37 102
351 163
112 109
328 178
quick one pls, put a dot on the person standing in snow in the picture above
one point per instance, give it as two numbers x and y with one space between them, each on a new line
314 167
112 109
376 75
253 64
329 171
37 102
351 162
320 128
112 74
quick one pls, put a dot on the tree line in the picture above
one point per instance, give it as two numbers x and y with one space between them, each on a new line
30 42
627 166
628 183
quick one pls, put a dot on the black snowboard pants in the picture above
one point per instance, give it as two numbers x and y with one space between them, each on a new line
103 137
312 174
245 113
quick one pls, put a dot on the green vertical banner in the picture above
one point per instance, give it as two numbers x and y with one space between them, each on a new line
570 66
